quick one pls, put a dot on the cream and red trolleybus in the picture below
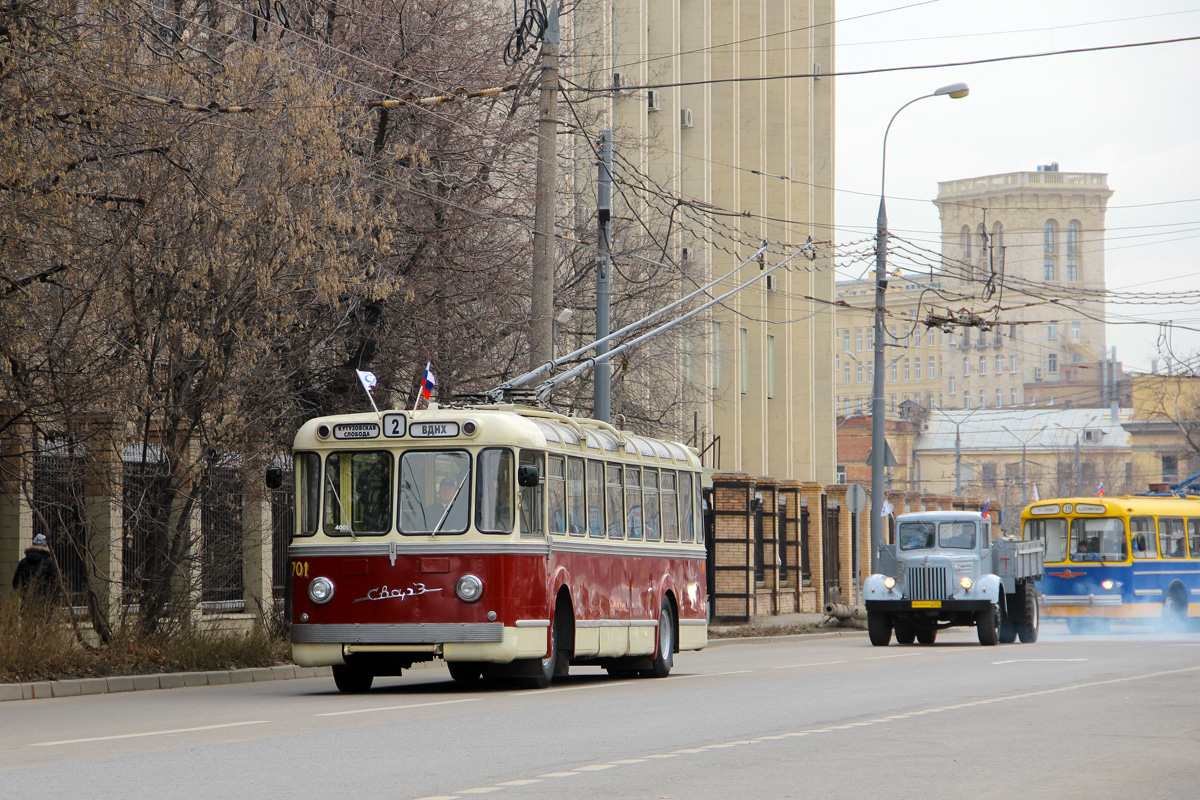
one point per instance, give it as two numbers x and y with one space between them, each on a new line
506 540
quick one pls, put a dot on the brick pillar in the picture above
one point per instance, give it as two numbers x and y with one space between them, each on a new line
837 494
103 490
185 521
16 514
789 543
767 490
257 545
813 597
734 547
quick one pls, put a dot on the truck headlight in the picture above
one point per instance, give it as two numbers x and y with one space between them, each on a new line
320 591
889 582
966 582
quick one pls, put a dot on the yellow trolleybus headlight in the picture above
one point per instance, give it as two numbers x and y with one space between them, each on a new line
469 588
320 591
889 582
966 582
1108 585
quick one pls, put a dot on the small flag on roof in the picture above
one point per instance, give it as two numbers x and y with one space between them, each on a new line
986 506
1100 489
429 381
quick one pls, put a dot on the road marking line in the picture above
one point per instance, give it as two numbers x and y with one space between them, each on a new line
440 797
394 708
1036 660
480 790
710 674
520 782
149 733
596 767
813 664
540 692
630 761
557 774
898 655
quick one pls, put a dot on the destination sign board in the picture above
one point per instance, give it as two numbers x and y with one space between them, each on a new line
356 430
433 430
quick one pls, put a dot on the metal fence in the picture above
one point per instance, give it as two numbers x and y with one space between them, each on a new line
145 515
283 516
221 585
58 514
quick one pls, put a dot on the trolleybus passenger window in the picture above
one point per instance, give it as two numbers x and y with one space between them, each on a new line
358 493
494 491
556 487
576 517
435 491
1051 531
1171 537
670 508
308 493
651 518
687 508
633 502
614 499
595 499
1141 537
1194 536
531 497
1098 539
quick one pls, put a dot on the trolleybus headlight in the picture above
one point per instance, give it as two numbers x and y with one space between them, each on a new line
889 582
322 431
320 591
965 582
1108 585
469 588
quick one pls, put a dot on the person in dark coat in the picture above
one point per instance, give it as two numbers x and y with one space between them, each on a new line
38 571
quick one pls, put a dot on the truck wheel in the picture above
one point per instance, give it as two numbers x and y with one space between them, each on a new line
988 623
351 680
905 633
1008 627
1028 629
927 634
879 629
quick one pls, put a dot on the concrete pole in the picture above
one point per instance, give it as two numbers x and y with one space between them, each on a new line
541 329
602 387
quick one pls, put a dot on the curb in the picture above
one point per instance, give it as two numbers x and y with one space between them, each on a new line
791 637
76 687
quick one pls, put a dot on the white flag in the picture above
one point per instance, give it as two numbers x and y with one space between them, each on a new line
1035 494
886 509
367 379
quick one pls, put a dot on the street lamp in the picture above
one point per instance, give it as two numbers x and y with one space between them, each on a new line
878 443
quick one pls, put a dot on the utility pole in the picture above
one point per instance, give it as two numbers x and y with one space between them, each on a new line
958 459
1024 443
602 401
541 333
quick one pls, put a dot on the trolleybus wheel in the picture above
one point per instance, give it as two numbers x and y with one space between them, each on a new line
987 622
1077 625
550 665
1028 629
664 659
351 680
905 634
879 629
927 634
465 671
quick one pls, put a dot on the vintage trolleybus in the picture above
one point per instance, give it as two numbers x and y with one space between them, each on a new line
1133 559
506 540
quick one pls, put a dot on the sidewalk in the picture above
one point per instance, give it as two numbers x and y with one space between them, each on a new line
785 627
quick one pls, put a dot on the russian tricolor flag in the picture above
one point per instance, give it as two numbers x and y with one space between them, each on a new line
986 506
429 381
1100 489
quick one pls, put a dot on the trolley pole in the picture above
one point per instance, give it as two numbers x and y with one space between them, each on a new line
541 334
602 387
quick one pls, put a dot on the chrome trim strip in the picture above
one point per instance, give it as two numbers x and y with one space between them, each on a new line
1167 572
618 548
643 623
427 547
413 633
1082 599
1148 592
532 623
693 622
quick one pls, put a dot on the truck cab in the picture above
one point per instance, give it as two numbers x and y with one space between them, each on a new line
946 568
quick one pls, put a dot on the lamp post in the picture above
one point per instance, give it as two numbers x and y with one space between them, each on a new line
1024 442
1078 470
878 442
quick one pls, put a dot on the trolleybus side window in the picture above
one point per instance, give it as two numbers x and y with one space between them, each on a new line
1194 535
531 496
614 500
1051 531
633 502
1098 538
576 517
687 508
435 490
670 508
494 491
595 499
358 493
1171 537
308 493
651 518
556 487
1141 537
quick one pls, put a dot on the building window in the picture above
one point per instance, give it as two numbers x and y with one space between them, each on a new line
859 373
983 365
1012 363
906 369
846 371
1049 234
917 368
931 364
982 399
1012 396
1052 331
846 340
1073 237
1075 331
895 368
999 364
966 399
951 385
999 398
770 366
870 338
964 240
929 339
744 339
841 473
1048 268
858 340
966 367
1170 469
1052 362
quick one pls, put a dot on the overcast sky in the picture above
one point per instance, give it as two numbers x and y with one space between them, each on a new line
1132 113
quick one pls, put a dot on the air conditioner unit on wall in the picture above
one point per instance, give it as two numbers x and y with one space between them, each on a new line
1037 373
772 283
653 100
620 82
686 119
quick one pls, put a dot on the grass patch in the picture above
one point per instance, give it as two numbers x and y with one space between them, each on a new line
750 630
37 643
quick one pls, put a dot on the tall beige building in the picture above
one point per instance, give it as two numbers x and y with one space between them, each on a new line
1025 252
758 155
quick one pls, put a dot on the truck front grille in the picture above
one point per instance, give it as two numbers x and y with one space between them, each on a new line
926 583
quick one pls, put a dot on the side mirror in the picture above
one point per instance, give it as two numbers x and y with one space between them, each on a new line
527 476
274 477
